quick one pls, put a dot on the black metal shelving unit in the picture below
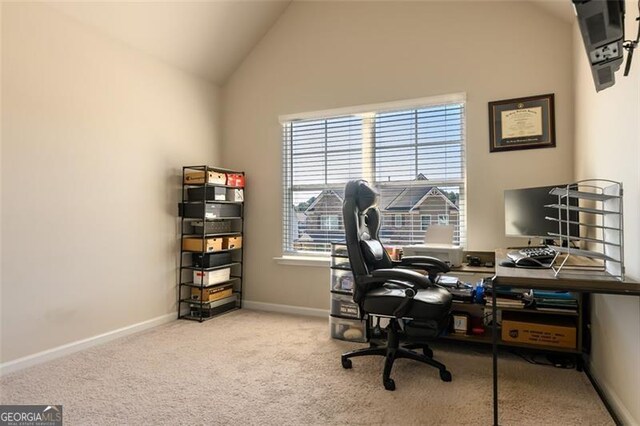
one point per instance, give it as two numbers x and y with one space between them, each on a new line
199 310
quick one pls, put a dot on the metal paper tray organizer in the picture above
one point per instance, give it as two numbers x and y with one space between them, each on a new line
600 223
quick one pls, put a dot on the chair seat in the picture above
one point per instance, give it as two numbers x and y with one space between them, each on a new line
432 303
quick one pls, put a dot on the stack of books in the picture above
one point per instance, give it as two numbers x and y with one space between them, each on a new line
506 297
552 301
506 303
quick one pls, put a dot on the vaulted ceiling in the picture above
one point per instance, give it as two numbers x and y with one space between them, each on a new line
207 38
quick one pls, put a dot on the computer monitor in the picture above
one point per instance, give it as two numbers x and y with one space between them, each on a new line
525 212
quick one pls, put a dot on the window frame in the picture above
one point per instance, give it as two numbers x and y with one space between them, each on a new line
422 217
330 226
367 114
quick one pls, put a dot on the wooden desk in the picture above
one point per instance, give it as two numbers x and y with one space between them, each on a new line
587 281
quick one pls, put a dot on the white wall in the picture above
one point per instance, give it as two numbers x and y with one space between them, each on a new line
323 55
93 136
608 146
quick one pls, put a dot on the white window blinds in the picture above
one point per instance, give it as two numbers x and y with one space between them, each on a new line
415 158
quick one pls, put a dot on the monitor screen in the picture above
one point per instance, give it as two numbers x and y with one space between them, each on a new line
525 212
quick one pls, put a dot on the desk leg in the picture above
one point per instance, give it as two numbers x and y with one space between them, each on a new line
494 341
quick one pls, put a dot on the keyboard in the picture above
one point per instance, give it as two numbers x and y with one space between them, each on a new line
536 257
539 253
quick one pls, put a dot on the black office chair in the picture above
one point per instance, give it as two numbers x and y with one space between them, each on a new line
417 309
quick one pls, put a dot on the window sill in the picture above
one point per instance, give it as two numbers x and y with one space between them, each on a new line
318 262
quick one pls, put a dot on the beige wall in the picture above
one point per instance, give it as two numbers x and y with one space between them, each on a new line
608 146
323 55
93 135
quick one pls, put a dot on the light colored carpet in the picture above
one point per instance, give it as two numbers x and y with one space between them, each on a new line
250 367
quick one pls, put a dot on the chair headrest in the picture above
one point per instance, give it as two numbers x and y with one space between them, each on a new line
364 196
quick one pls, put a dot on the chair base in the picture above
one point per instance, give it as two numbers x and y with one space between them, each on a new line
393 351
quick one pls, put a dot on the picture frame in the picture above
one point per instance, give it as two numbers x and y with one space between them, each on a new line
522 123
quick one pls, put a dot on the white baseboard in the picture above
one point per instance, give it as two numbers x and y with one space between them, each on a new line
614 401
285 309
69 348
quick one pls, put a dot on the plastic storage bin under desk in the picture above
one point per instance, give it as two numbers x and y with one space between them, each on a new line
348 329
340 262
343 305
342 280
339 249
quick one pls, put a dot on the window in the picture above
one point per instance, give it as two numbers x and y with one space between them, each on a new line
413 153
443 219
330 222
425 221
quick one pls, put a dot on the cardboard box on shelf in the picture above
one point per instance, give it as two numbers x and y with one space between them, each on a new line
211 193
209 210
210 260
206 245
558 333
234 194
212 293
231 242
198 177
235 179
211 277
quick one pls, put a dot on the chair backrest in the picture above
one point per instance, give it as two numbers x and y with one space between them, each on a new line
361 226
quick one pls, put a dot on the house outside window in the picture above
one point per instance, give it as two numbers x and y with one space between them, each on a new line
413 152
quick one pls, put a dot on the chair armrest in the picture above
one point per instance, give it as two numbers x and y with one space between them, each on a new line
431 264
412 277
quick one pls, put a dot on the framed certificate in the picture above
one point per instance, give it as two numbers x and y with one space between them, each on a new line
522 123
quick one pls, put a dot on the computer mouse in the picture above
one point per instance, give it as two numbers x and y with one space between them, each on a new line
508 263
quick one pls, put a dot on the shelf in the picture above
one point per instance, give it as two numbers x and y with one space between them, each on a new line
589 225
197 302
210 252
486 339
479 338
194 285
586 253
214 201
568 313
197 318
581 209
213 218
213 169
217 234
563 192
574 238
198 186
212 268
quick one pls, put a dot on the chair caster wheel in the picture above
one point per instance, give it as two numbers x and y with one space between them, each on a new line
427 352
346 363
389 384
445 376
